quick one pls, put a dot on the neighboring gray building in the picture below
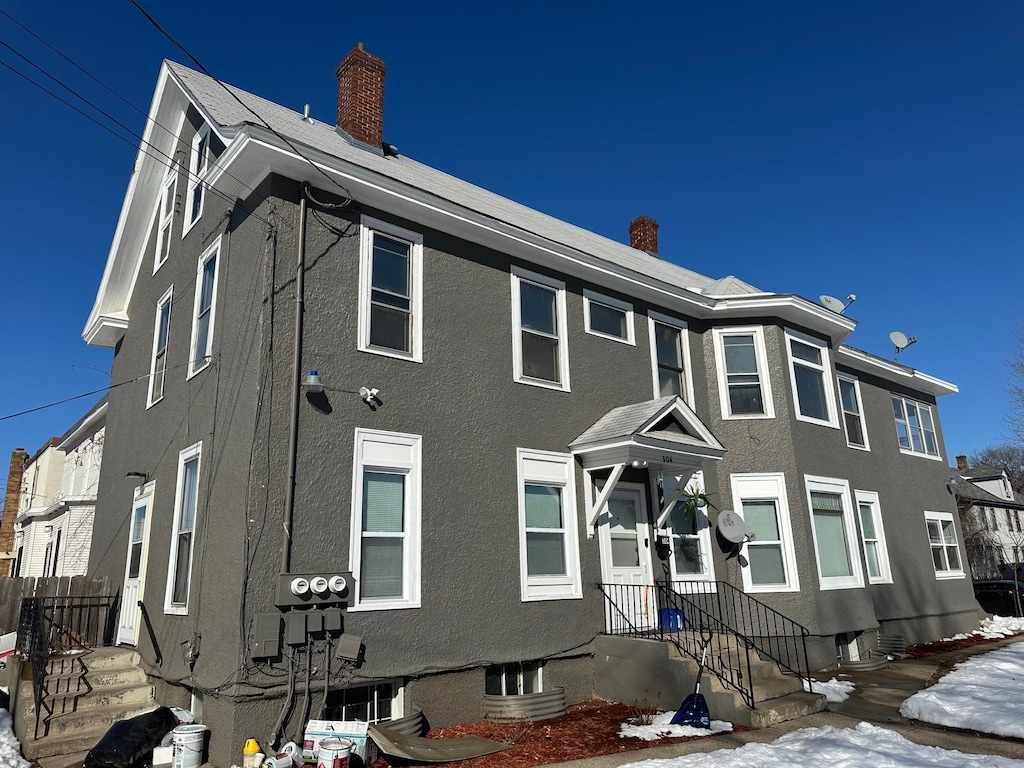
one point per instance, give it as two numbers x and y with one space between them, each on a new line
992 516
535 382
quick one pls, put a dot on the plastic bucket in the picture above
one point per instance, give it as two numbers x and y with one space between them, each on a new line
188 745
333 753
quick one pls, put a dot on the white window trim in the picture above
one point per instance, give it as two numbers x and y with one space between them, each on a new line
184 456
760 355
195 362
367 226
932 410
952 573
871 499
768 485
169 188
703 531
656 317
196 177
165 300
827 378
849 377
851 528
559 471
395 452
590 297
519 274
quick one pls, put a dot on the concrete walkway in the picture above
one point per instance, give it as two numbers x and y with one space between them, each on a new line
876 700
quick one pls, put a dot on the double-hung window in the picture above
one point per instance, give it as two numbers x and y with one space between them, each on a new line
943 542
539 344
165 217
607 317
386 520
872 536
760 498
198 167
670 355
689 534
743 386
390 290
853 415
186 507
549 555
915 427
809 369
834 530
205 307
158 365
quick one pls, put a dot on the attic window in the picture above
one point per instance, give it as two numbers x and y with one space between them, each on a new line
198 167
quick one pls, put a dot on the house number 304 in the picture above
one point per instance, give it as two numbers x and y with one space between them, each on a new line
666 459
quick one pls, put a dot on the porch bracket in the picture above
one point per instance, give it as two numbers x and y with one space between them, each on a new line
602 498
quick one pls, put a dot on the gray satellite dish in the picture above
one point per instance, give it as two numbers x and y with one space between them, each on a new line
901 342
732 527
831 302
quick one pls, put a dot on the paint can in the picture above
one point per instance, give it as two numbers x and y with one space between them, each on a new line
333 753
289 756
188 745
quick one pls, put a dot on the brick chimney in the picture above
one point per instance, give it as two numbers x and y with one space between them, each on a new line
961 462
10 510
361 96
643 234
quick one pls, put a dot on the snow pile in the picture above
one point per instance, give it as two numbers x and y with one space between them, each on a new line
661 728
834 690
980 694
994 628
838 747
10 749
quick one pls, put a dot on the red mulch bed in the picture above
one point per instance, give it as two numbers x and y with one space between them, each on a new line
945 646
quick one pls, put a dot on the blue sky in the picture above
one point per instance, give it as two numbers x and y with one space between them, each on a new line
872 148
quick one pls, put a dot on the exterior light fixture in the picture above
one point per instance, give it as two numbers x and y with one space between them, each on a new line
638 463
142 476
312 383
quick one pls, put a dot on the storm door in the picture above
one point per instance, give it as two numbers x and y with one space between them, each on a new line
135 567
625 539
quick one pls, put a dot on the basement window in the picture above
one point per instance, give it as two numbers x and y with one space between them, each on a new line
365 704
514 679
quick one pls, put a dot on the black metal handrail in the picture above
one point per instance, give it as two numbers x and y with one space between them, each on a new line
62 628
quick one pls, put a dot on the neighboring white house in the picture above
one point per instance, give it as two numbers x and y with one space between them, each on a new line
53 530
992 517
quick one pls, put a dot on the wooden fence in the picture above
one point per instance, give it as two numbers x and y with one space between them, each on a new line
12 591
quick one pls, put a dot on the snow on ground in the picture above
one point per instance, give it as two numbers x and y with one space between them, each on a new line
982 693
837 748
994 628
834 690
10 749
660 727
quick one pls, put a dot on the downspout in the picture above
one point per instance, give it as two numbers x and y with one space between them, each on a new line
293 430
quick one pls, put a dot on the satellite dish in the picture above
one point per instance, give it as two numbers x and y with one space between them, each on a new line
732 527
834 304
901 342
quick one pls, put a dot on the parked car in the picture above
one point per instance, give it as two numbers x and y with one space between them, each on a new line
1001 597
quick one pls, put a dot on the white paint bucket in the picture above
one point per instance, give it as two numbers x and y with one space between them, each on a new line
188 745
333 753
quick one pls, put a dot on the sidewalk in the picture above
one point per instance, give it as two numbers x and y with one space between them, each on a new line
876 700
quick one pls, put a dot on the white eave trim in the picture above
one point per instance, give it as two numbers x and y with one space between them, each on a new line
84 428
892 371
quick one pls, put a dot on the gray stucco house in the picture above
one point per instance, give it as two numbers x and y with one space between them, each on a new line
542 395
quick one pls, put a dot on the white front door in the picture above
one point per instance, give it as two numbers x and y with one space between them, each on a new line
626 541
135 567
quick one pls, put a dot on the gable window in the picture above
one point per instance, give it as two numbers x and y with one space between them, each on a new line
549 554
872 536
771 560
365 703
158 365
205 305
165 217
390 290
539 348
915 428
608 317
516 679
811 380
186 505
670 354
386 515
743 386
943 542
199 166
853 419
833 527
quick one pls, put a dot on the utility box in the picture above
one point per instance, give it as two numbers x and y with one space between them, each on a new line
266 636
314 590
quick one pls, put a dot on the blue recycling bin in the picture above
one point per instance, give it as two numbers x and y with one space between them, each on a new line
671 619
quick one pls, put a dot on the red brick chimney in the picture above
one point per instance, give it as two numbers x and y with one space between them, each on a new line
643 234
361 96
961 462
10 511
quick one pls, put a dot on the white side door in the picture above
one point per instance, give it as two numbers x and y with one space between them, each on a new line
135 567
626 540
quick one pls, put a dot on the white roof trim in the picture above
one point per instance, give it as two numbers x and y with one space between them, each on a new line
893 371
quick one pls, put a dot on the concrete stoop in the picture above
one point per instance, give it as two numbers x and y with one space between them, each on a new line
85 703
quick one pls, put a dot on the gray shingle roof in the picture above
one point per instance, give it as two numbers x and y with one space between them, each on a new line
622 422
227 112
